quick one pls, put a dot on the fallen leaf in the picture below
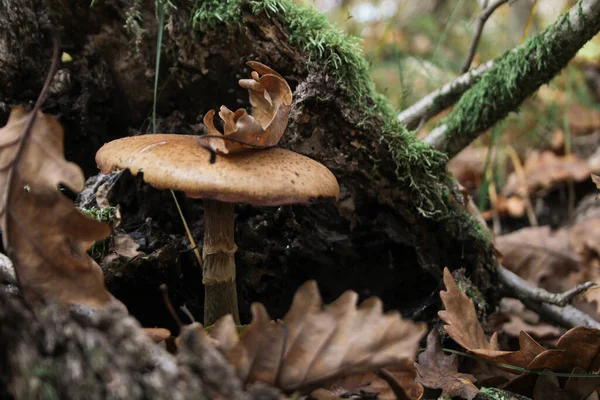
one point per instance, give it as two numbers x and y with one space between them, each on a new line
405 375
540 256
528 350
578 348
584 239
461 319
157 335
314 343
271 99
468 166
44 234
439 371
548 387
122 246
512 318
583 120
543 170
466 330
512 206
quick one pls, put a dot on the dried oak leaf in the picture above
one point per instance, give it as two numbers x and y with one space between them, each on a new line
439 371
465 329
540 256
548 387
577 351
314 343
405 375
43 233
461 319
271 100
578 348
529 349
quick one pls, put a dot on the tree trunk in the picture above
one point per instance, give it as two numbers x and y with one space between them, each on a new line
397 223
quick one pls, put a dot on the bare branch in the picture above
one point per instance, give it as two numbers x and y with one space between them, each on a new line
481 20
507 85
442 98
525 290
551 306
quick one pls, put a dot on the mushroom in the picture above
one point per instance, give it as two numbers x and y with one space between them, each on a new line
269 177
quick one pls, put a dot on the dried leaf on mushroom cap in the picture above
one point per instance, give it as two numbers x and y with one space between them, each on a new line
270 97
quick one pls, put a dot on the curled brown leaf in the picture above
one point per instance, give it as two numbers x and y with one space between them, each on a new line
270 97
439 371
43 233
461 319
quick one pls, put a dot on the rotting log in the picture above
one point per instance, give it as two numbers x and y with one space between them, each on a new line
396 225
53 353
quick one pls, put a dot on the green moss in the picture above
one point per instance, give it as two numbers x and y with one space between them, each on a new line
104 214
45 377
308 29
108 215
494 394
133 23
472 292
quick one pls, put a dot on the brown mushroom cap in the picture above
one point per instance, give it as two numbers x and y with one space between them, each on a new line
264 177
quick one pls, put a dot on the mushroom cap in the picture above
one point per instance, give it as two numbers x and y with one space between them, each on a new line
267 177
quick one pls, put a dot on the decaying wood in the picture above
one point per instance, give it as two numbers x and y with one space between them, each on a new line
56 354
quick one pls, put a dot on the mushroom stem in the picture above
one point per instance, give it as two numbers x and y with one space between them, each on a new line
218 254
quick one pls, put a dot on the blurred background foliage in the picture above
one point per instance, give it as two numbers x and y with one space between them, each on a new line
416 46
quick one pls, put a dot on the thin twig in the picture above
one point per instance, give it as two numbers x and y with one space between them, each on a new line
485 14
442 98
525 291
164 290
554 307
567 316
393 383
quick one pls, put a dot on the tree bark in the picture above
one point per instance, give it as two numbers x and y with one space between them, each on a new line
397 223
53 353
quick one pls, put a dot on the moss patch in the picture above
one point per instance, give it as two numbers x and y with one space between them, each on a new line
308 29
472 292
108 215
